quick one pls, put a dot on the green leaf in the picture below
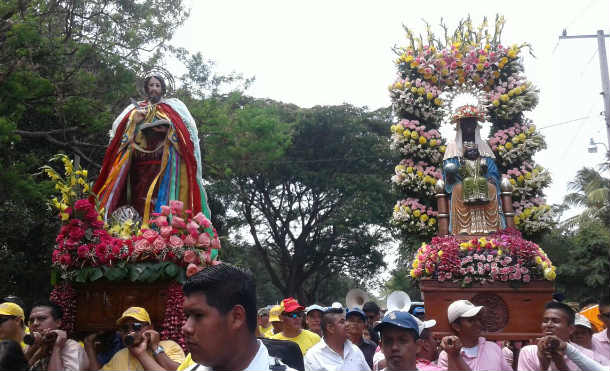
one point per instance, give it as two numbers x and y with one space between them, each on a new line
114 273
181 275
154 275
135 272
96 274
171 270
145 275
81 276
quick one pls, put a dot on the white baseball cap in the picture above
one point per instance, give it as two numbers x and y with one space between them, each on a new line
462 308
314 307
424 324
581 320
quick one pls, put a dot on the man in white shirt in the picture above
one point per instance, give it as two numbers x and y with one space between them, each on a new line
335 352
220 309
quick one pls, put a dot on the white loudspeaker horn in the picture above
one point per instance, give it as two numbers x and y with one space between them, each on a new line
399 300
356 298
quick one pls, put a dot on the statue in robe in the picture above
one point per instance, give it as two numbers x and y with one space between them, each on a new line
153 157
471 179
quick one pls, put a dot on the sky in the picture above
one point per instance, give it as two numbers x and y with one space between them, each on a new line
334 51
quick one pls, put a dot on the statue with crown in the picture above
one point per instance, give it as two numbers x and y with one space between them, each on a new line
476 203
131 237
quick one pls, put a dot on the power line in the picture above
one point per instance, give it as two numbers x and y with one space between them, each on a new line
564 123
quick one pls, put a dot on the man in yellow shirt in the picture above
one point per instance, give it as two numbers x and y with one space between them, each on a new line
12 322
292 317
275 320
144 351
264 324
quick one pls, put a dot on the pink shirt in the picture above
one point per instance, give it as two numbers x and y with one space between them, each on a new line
601 344
425 365
489 357
528 359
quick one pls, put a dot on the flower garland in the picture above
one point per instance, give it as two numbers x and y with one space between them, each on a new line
65 296
516 144
528 180
503 256
413 140
533 216
417 178
510 98
418 99
174 318
414 217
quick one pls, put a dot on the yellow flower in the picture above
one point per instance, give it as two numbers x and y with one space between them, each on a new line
429 96
421 91
414 134
511 92
415 263
500 252
423 218
64 216
442 149
501 148
538 260
420 173
483 241
480 67
413 90
440 253
549 274
416 213
508 145
407 133
396 208
438 101
517 220
464 246
513 181
409 170
512 53
496 102
422 140
412 273
482 58
504 97
520 178
528 175
431 222
432 142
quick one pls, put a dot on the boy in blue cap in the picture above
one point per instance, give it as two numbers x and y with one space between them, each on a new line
399 333
356 322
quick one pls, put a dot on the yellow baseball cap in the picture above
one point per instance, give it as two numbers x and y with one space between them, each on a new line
137 313
11 309
274 313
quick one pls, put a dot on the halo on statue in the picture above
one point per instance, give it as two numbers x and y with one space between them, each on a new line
465 101
170 84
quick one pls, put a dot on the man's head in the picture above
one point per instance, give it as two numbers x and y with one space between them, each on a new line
399 334
558 320
292 315
220 309
428 346
313 318
604 310
275 318
356 321
45 315
464 319
12 322
132 324
333 325
263 317
155 88
372 311
583 331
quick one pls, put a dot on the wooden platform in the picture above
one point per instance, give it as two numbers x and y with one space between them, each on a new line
509 313
100 304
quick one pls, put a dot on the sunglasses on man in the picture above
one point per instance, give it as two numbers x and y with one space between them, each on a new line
135 327
294 315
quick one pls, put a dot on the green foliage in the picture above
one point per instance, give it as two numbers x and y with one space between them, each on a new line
136 272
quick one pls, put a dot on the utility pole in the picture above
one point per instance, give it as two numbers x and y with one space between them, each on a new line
603 66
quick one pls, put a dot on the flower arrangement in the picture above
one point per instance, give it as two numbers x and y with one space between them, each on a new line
412 139
87 249
418 178
516 144
533 216
528 180
413 217
418 99
504 256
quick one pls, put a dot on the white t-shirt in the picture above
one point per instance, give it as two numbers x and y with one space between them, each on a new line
321 357
261 361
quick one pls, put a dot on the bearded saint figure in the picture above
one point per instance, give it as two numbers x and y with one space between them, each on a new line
153 157
471 178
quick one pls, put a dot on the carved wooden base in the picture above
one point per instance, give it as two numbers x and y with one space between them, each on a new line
509 314
100 304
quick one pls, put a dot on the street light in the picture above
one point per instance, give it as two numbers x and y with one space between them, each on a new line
593 146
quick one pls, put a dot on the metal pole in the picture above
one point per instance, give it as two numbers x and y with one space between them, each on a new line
603 65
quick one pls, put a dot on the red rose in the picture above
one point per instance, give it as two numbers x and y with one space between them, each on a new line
190 257
82 251
65 259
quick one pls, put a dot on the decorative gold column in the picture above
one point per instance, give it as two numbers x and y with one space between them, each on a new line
507 202
442 204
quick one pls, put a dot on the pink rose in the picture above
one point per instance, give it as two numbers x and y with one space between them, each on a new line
158 244
150 235
166 231
175 242
141 246
526 278
176 206
65 259
192 227
189 240
82 251
467 280
161 221
192 269
165 210
178 222
216 243
190 257
204 240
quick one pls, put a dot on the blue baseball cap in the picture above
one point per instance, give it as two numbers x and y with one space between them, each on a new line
357 311
399 319
419 310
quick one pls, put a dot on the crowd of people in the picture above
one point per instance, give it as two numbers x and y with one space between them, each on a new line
225 331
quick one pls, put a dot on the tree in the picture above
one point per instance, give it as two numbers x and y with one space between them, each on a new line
316 212
590 191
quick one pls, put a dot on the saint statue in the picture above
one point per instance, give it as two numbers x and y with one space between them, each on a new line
471 178
153 157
